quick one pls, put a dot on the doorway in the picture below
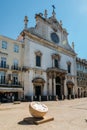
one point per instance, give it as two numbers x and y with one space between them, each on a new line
58 87
58 91
78 92
69 91
37 92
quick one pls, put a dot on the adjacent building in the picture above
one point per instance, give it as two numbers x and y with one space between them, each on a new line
81 77
10 68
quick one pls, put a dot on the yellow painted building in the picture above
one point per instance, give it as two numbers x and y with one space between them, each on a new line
10 69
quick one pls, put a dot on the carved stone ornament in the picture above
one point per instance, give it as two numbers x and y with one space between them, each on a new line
38 53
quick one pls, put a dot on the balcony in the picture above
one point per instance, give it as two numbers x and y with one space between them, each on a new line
4 67
25 68
2 82
15 68
12 85
55 69
16 84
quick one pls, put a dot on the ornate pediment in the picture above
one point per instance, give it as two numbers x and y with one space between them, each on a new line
56 56
54 23
38 53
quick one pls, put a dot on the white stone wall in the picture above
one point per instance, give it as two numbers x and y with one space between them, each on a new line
30 48
45 31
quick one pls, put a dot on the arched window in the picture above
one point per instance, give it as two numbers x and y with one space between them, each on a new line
69 67
38 58
55 60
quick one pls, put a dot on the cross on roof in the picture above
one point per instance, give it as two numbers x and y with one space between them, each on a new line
53 13
53 7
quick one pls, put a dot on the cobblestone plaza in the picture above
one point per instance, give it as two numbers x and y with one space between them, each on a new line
68 115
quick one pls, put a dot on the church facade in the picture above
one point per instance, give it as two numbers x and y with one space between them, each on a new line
51 60
44 66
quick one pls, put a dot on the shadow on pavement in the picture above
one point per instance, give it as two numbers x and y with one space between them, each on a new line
29 121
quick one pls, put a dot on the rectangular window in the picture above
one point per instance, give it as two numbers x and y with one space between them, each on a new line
56 63
3 62
77 66
15 64
38 60
4 44
15 79
69 68
2 77
16 48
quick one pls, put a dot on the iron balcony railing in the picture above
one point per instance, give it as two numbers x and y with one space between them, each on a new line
25 68
13 67
5 66
13 84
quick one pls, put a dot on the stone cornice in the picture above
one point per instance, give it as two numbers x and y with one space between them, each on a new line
47 43
4 38
37 69
3 53
81 61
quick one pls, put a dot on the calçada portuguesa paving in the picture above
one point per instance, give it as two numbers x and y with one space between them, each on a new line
68 115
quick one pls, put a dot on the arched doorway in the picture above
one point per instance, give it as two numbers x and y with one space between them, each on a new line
70 85
84 93
37 92
58 87
81 92
78 92
38 83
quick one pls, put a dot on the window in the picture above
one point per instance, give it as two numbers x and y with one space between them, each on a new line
69 68
15 64
55 37
16 48
4 44
15 79
55 60
77 66
56 63
77 73
38 60
3 62
2 77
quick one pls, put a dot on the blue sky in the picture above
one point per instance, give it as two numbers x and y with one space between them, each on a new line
73 13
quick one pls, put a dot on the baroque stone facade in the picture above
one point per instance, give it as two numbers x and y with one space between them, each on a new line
42 64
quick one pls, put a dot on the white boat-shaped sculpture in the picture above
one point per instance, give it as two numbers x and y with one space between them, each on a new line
38 109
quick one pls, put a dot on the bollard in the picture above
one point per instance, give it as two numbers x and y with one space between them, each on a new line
31 98
47 98
50 97
39 98
56 97
62 97
69 96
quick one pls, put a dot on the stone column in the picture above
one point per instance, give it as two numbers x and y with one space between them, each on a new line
54 85
62 87
50 86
